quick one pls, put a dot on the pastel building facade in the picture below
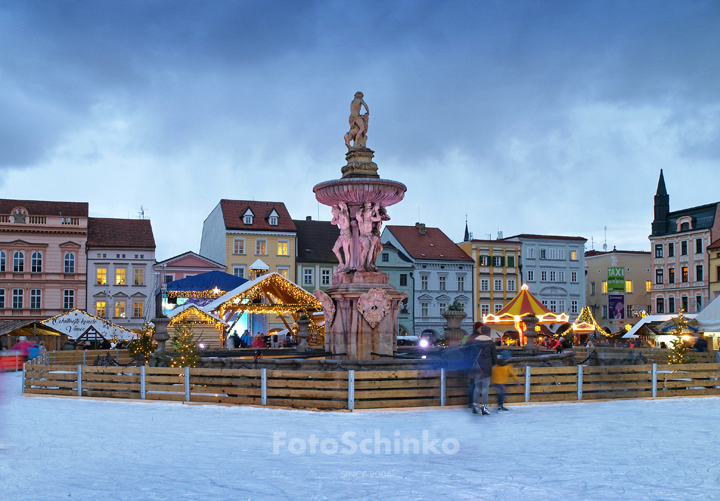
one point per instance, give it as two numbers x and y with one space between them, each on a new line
442 273
637 276
121 282
679 245
315 261
238 233
42 258
496 280
553 267
399 268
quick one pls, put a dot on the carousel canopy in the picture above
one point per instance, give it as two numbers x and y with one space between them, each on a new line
205 282
522 305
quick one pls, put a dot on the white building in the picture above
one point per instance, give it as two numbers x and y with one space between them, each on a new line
442 274
553 267
120 257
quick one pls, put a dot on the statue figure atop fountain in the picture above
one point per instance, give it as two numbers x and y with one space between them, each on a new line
358 123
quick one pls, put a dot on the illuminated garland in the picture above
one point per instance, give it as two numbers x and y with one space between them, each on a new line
185 315
208 294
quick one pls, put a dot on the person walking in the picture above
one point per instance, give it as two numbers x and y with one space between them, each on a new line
482 369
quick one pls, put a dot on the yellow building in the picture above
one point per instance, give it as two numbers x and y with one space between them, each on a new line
238 233
497 279
714 271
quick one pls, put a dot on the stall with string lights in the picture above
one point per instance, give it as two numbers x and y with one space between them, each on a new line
209 330
524 305
272 294
585 325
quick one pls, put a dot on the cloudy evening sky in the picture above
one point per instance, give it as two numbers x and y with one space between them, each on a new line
529 117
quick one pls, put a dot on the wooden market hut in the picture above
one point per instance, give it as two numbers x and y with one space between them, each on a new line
34 331
207 328
272 294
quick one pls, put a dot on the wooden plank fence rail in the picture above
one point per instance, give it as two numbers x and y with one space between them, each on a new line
366 389
84 357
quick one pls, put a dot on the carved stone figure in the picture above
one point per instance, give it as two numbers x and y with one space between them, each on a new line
341 217
358 123
367 218
374 305
377 247
19 215
328 307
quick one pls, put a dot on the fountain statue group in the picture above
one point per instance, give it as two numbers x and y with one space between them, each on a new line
368 221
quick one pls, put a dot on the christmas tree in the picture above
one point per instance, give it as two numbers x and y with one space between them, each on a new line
184 342
143 345
678 349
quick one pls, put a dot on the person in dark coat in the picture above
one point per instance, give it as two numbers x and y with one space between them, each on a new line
701 343
471 349
482 370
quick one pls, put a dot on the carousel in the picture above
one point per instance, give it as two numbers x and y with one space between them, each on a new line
526 313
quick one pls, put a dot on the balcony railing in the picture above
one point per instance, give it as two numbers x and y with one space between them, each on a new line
73 221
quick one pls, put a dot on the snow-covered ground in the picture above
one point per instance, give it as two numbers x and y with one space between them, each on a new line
73 449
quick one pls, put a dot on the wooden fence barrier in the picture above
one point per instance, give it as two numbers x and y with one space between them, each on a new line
84 357
365 389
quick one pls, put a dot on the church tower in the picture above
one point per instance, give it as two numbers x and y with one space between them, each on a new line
662 208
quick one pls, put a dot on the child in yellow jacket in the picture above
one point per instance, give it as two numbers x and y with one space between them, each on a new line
503 374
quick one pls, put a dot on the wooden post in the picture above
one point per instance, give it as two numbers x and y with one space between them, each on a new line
187 384
351 389
79 380
142 382
442 387
263 386
527 383
580 382
84 357
654 380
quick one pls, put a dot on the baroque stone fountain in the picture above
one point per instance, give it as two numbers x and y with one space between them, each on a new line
361 307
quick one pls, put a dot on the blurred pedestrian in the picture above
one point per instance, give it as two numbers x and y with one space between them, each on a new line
701 343
503 374
470 341
23 346
481 371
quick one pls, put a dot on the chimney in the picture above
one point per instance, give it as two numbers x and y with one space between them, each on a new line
308 218
420 227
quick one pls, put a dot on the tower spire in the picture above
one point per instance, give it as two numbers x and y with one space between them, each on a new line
662 208
467 233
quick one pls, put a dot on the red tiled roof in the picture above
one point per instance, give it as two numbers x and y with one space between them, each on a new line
551 237
107 232
715 244
42 208
233 211
592 253
434 244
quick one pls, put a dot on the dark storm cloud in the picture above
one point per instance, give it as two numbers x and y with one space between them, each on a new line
556 96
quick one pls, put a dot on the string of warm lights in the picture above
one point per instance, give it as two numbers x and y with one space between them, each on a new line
188 316
586 316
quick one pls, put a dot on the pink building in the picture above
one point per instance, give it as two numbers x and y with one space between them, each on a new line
42 258
680 262
181 266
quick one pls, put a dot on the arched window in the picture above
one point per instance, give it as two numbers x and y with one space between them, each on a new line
2 260
18 262
36 262
69 262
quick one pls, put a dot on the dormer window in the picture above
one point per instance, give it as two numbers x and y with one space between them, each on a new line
273 218
248 216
